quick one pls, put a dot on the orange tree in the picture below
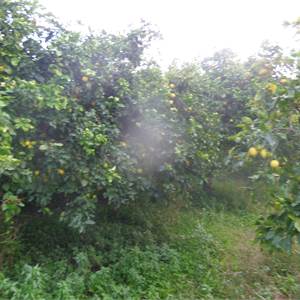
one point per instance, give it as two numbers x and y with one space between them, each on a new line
272 135
228 87
86 121
216 91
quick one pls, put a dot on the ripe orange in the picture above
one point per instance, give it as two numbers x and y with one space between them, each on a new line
252 152
283 81
274 163
61 172
263 153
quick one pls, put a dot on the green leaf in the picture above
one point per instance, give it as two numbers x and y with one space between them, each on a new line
15 61
296 221
44 147
297 224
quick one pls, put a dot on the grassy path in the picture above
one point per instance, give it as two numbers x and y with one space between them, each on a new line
247 271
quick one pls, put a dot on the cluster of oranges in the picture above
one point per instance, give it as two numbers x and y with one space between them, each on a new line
253 152
60 171
29 144
172 97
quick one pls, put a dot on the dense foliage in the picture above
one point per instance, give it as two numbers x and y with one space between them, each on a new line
101 152
272 133
85 120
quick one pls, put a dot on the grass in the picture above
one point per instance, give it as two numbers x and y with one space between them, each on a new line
154 252
248 271
131 268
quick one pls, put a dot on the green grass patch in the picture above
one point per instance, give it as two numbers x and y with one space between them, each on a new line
248 271
150 252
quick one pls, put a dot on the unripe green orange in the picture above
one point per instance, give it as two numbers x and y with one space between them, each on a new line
277 205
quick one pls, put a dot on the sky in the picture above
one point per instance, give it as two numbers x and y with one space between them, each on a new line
190 28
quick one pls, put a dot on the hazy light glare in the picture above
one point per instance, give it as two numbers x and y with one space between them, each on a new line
192 27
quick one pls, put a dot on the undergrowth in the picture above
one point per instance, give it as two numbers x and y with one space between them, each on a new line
156 256
152 251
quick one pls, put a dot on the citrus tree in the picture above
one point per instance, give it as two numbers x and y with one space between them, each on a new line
272 136
86 121
217 90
